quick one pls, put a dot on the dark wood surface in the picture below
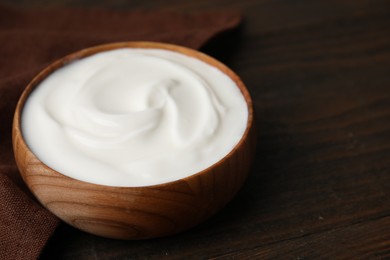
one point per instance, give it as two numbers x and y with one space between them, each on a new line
319 74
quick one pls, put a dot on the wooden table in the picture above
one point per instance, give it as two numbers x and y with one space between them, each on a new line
319 75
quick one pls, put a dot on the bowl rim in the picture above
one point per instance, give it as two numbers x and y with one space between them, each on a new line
85 52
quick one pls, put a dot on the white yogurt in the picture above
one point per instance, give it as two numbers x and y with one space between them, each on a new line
134 117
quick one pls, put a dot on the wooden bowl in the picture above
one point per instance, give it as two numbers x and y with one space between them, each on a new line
135 212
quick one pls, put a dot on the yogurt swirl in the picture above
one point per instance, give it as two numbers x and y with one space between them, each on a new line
134 117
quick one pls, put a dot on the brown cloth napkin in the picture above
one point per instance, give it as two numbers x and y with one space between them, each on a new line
30 40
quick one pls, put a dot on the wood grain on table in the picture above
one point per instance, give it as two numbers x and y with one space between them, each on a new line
319 75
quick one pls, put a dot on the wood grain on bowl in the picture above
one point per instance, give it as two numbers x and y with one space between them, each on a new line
136 212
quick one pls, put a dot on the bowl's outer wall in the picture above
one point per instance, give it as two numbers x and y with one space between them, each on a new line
135 212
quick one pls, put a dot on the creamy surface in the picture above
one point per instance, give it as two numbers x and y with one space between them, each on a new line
134 117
